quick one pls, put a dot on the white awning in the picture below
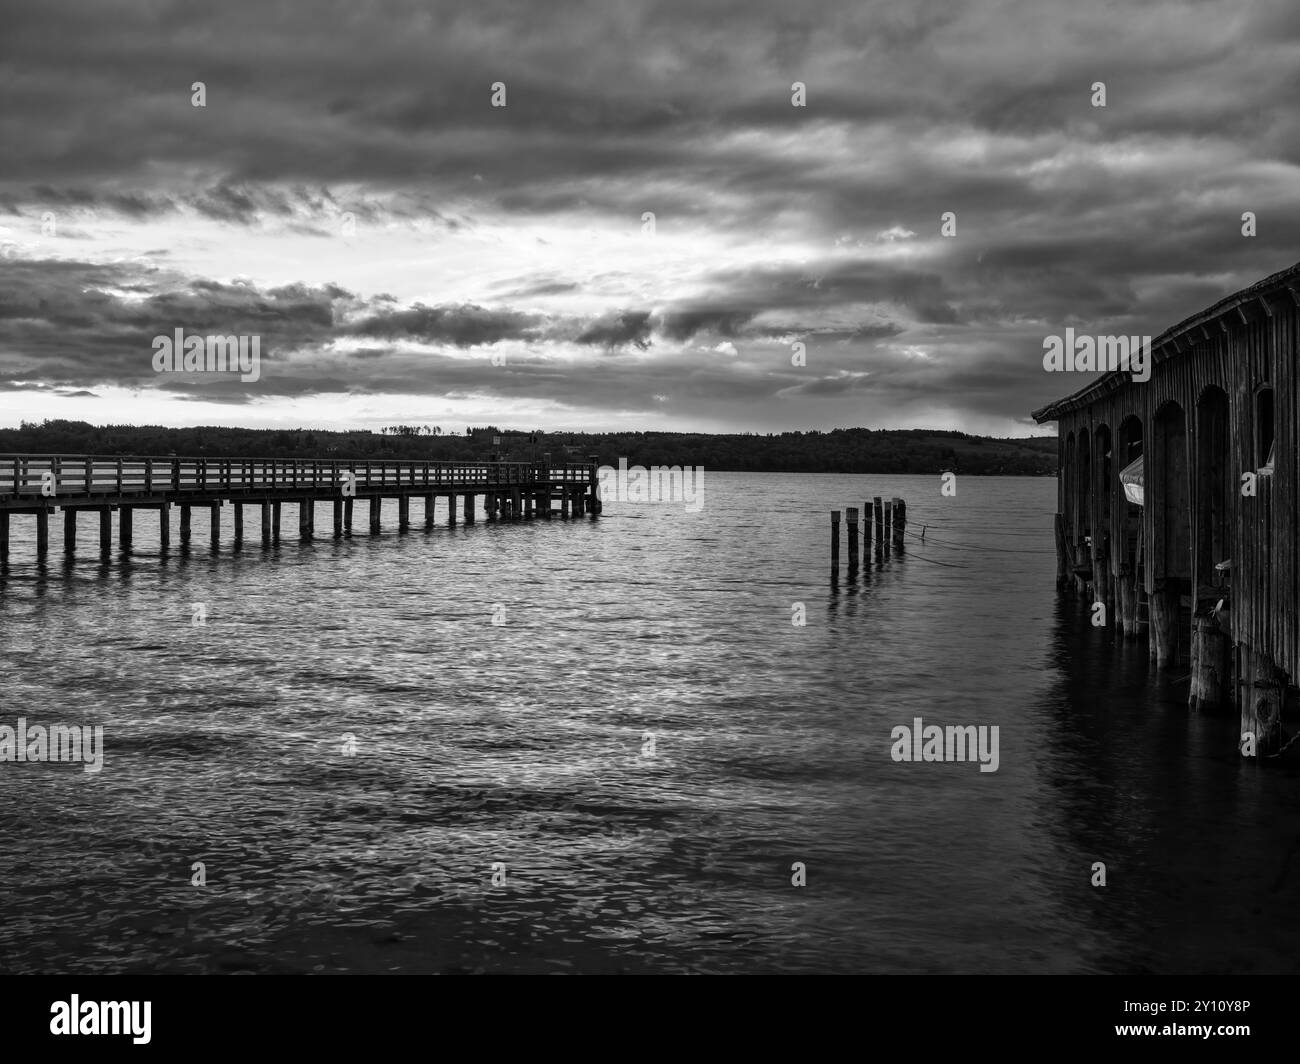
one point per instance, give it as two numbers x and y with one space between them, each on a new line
1132 479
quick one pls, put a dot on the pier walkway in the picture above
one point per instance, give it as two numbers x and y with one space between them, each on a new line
43 485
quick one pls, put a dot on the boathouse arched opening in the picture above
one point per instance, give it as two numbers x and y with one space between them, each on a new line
1071 474
1104 491
1083 484
1169 495
1128 513
1214 488
1264 427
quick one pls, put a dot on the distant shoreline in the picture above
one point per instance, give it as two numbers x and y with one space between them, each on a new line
879 452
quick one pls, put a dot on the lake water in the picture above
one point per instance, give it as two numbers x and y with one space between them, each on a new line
638 753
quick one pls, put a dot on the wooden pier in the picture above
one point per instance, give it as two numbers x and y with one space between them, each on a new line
1179 503
40 486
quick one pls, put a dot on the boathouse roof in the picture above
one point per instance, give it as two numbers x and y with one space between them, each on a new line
1177 340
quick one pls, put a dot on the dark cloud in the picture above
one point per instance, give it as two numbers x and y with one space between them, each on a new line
629 327
1122 218
463 326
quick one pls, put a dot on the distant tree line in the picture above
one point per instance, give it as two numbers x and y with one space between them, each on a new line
837 451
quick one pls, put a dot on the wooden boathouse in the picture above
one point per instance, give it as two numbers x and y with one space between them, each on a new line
42 485
1178 497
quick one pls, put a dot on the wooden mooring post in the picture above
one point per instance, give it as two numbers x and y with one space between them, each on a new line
851 516
891 527
1210 670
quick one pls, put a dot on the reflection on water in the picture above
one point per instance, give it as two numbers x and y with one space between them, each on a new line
523 745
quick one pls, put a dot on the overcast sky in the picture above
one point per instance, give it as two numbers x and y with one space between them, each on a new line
409 253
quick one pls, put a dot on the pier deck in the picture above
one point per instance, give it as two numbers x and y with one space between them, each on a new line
42 485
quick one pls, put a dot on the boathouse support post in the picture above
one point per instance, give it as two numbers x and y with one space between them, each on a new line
429 511
1062 556
304 519
376 504
239 523
1262 694
275 521
164 526
338 518
469 508
1081 565
124 528
451 508
185 525
403 513
214 525
105 529
266 524
4 535
347 516
1164 626
69 531
1101 584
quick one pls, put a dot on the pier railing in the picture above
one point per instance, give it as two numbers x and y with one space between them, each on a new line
89 475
